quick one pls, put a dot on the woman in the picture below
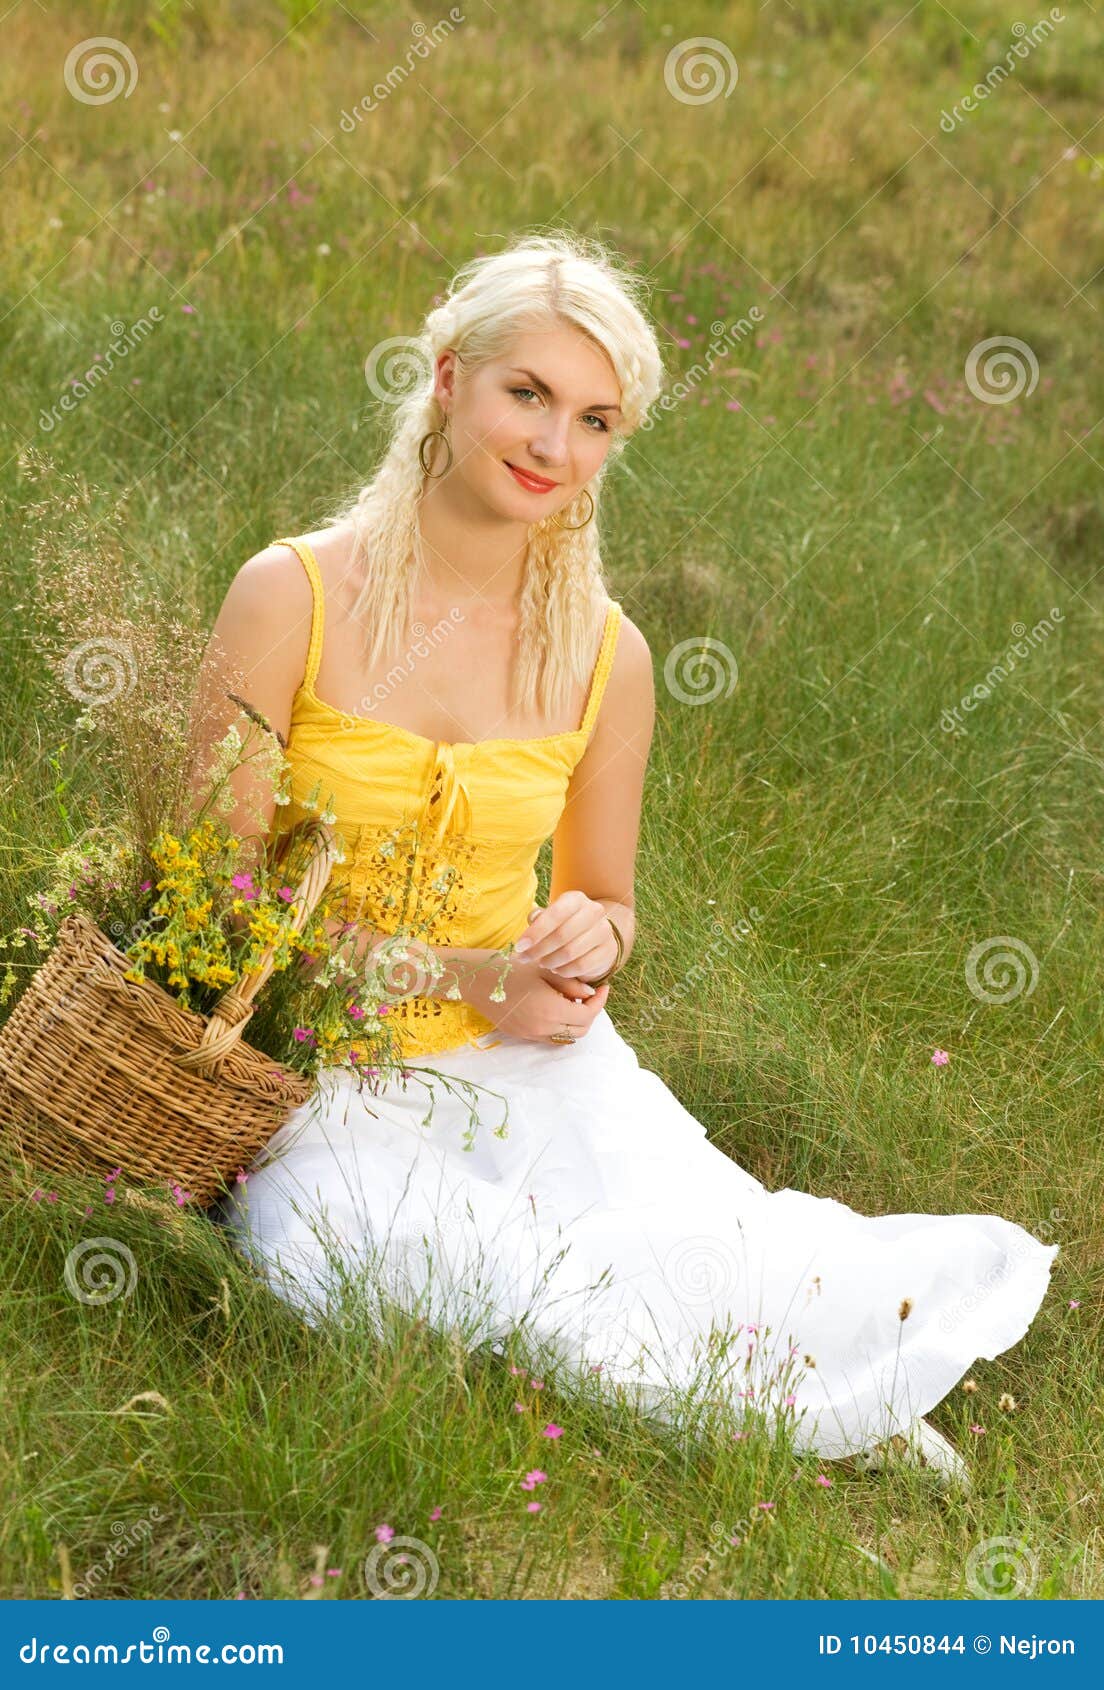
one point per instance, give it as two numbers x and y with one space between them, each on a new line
603 1226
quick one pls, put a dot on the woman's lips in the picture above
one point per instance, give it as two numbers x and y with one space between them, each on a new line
531 483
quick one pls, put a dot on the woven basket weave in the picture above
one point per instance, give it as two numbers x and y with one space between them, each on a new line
98 1072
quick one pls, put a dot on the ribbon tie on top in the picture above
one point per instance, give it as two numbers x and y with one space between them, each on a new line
454 799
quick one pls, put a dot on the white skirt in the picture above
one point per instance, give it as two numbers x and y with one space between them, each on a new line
611 1242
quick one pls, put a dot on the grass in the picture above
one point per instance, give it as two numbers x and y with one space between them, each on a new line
861 534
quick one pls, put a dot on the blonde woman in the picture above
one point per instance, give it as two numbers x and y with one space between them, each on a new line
444 657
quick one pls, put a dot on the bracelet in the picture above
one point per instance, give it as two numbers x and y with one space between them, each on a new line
610 972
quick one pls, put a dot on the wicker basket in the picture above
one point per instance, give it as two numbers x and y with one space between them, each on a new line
97 1071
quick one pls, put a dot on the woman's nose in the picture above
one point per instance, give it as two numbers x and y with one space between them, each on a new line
551 444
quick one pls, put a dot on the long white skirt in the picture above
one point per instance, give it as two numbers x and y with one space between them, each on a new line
610 1241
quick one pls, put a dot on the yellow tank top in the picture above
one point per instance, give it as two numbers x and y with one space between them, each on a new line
482 810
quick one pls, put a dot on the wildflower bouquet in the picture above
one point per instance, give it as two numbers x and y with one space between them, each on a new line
206 916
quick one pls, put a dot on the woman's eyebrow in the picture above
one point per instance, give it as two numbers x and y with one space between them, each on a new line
543 387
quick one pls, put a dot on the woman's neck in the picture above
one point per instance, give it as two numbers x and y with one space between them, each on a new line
468 554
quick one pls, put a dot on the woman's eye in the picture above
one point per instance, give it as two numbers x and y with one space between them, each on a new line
602 424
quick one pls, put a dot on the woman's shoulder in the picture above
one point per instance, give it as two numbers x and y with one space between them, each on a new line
630 686
274 581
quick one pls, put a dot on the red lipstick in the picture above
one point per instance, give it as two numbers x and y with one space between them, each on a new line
532 483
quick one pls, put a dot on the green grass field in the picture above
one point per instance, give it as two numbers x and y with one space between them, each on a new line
844 497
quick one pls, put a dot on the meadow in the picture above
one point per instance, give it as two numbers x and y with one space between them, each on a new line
874 809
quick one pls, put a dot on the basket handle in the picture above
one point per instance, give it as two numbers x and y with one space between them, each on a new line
228 1018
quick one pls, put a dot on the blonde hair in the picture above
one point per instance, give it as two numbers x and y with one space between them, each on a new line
538 282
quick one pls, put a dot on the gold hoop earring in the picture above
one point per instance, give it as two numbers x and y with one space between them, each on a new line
573 527
434 475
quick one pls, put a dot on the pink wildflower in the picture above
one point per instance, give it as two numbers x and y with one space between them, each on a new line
552 1430
385 1533
979 1431
436 1514
940 1058
287 893
533 1507
824 1480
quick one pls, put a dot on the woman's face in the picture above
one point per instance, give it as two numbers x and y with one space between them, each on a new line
548 406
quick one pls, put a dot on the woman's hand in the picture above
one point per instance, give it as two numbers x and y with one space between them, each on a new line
539 1001
573 936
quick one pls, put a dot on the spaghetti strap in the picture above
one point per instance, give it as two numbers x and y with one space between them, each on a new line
318 611
603 666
